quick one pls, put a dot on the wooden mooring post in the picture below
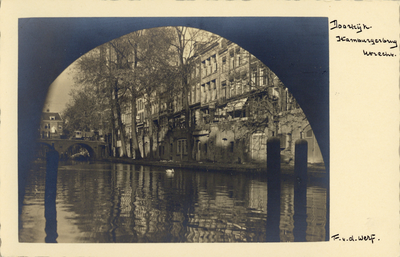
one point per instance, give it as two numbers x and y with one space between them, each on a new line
50 212
300 191
274 189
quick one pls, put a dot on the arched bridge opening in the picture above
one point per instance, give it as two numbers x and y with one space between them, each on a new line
90 150
79 151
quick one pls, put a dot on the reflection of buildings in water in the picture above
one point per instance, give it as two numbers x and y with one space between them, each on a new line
212 211
121 205
316 216
287 209
32 215
224 217
258 195
257 201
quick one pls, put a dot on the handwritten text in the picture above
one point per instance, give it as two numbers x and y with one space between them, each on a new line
359 27
371 41
355 238
371 53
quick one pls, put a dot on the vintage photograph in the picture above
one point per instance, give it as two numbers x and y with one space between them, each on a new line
187 130
199 128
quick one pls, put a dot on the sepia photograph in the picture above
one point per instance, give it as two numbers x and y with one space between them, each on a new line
176 134
127 128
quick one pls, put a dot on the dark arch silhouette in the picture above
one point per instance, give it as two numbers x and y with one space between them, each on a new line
296 49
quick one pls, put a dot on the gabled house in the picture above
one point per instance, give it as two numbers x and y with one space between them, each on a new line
51 125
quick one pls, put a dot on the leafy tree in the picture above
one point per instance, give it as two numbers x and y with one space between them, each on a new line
82 113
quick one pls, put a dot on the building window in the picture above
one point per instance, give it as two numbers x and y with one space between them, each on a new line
185 148
214 64
198 94
233 89
238 60
223 64
223 89
214 91
244 55
238 87
204 68
192 95
232 146
309 133
254 78
232 60
52 117
245 86
263 75
182 147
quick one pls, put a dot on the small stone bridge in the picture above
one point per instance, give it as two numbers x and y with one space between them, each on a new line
96 149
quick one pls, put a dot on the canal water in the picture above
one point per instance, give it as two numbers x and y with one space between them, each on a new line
124 203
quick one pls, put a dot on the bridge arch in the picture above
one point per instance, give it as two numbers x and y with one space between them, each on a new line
46 144
63 146
92 153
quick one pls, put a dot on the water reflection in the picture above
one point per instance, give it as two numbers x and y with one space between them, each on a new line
126 203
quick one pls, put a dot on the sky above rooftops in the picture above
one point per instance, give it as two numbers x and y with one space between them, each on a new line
58 95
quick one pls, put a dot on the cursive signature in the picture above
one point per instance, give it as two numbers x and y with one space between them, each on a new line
370 237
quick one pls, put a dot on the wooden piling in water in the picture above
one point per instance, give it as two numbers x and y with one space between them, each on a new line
300 191
50 212
274 189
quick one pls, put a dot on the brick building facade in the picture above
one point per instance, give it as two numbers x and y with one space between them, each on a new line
224 81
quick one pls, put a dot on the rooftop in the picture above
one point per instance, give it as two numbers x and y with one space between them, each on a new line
51 116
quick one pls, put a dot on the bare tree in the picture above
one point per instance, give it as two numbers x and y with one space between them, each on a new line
187 43
155 73
98 71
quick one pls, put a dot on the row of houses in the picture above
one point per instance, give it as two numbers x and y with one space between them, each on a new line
227 87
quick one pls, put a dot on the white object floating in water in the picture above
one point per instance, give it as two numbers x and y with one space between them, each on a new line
170 171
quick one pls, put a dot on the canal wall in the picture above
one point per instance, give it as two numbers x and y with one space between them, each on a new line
314 170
